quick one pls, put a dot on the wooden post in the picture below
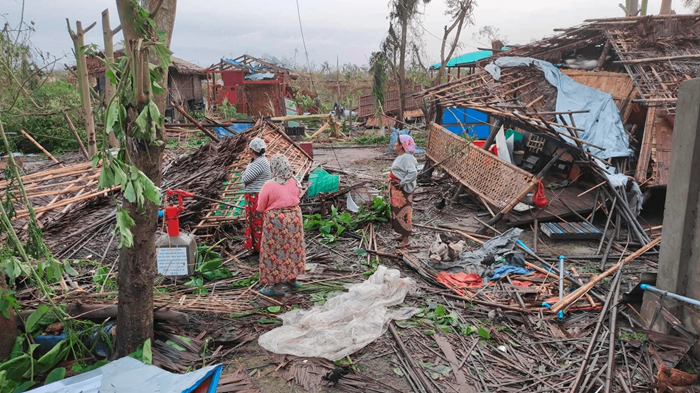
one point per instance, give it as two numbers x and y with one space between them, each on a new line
75 134
195 122
78 38
108 35
603 55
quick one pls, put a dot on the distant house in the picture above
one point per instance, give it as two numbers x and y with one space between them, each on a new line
184 80
256 87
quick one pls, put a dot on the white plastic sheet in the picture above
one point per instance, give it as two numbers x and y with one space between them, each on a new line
347 322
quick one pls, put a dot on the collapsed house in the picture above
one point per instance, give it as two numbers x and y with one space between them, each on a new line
256 87
640 61
611 111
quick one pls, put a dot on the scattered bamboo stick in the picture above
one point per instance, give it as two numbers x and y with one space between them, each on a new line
41 148
574 296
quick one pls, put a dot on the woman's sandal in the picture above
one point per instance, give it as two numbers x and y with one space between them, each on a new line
270 291
288 283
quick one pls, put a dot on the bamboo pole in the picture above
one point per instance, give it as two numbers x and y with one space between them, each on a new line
574 296
41 148
195 122
76 136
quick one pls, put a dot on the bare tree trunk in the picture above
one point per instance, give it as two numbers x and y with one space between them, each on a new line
459 24
665 7
78 38
633 9
137 265
402 64
108 35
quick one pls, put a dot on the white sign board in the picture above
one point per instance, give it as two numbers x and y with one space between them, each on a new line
172 261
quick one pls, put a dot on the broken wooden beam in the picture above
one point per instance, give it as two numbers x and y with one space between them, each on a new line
195 122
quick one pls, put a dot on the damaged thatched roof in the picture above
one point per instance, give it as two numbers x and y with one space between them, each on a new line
96 65
658 52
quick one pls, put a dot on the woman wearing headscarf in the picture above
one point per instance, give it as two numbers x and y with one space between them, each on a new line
254 176
402 184
282 250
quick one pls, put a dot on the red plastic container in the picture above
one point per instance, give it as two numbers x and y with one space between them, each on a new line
480 144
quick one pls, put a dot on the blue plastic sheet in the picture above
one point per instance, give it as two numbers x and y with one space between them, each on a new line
501 271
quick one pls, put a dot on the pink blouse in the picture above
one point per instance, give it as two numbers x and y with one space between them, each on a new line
274 195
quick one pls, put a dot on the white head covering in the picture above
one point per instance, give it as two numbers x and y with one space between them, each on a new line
257 144
281 171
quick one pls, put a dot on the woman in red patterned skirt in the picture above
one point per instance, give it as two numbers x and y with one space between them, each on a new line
402 184
254 176
282 249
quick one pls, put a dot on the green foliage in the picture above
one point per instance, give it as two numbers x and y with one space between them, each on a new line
105 283
246 282
144 353
229 111
439 318
208 268
304 102
372 140
134 119
337 223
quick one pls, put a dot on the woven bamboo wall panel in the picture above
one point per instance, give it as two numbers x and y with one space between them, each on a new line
495 180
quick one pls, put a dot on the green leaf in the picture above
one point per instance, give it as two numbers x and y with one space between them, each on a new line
56 374
143 353
360 252
16 367
112 116
484 333
129 193
269 321
24 387
440 310
50 359
35 317
120 176
325 230
241 314
397 371
149 188
274 309
142 123
209 265
17 347
175 345
157 89
429 332
69 269
124 225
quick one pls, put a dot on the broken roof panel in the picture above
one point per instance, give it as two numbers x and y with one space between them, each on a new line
658 52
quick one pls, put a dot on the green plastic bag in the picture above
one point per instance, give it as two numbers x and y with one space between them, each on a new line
322 181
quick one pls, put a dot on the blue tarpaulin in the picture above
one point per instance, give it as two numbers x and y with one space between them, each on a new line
238 127
128 375
459 120
602 123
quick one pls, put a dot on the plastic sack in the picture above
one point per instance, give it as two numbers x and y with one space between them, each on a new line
322 181
347 322
540 199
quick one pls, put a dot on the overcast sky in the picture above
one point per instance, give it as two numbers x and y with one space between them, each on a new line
206 30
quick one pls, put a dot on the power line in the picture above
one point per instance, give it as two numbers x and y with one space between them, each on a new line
308 63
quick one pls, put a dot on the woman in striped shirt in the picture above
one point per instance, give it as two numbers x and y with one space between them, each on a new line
254 176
